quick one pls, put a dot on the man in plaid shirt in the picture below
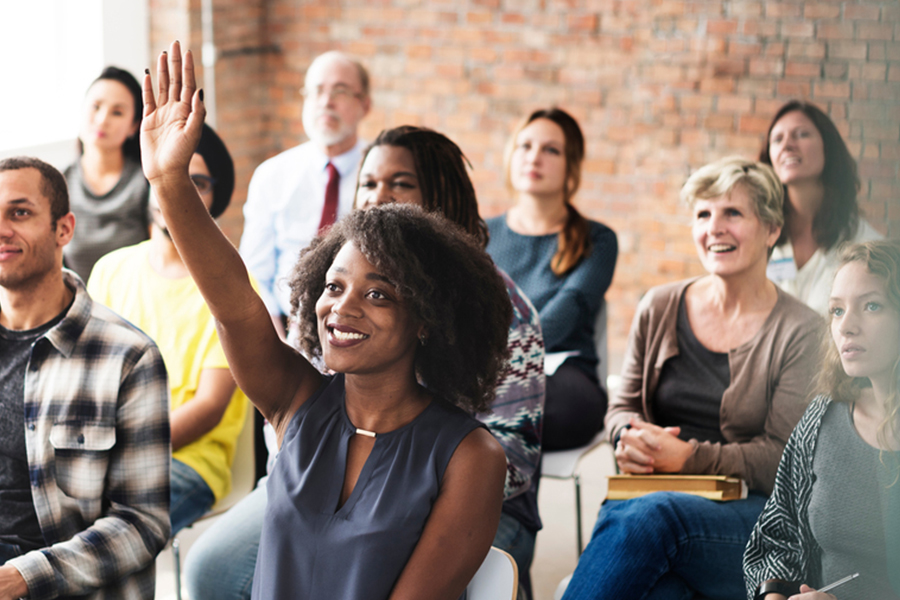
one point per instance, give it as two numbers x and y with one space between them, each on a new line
84 415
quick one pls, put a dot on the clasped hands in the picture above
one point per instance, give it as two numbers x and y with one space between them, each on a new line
647 448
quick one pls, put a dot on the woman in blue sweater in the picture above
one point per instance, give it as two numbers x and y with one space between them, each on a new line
563 262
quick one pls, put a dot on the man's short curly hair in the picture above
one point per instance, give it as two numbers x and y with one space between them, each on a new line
446 281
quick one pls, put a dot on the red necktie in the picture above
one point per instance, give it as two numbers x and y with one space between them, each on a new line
329 211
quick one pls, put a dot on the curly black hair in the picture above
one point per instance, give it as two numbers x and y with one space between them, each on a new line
446 281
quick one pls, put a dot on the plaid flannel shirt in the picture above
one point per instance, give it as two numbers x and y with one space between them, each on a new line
98 442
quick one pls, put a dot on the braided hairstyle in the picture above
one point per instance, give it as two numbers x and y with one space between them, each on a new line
441 173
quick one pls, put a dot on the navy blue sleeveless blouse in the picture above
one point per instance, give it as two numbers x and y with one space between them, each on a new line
312 550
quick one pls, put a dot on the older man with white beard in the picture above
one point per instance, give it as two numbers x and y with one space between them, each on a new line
296 194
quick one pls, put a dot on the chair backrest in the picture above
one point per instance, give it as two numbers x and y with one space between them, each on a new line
243 468
497 578
601 345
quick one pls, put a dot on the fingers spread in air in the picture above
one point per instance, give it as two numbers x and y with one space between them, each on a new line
162 78
149 103
175 72
189 83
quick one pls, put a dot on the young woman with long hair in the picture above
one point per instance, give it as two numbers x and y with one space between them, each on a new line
820 180
835 509
107 189
563 262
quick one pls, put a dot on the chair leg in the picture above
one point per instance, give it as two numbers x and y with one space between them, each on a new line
176 552
577 513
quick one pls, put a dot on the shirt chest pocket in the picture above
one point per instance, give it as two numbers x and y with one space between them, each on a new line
82 452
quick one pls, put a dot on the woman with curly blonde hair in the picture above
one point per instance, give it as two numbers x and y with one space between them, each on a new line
835 509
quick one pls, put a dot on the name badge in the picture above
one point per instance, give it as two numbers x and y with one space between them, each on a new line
782 269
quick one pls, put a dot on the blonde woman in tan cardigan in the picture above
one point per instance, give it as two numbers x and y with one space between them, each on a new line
714 380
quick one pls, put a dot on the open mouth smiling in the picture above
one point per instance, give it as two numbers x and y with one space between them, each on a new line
720 248
345 334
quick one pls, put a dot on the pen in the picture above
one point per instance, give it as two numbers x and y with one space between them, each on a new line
841 581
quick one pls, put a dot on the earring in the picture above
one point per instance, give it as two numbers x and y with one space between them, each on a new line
422 338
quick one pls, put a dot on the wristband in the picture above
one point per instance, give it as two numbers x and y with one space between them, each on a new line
619 435
776 586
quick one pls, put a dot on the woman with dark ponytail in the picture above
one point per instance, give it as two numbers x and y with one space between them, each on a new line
562 261
107 190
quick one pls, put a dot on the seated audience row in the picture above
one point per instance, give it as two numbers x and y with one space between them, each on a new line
718 371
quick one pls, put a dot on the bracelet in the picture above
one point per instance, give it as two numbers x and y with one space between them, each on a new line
776 586
619 435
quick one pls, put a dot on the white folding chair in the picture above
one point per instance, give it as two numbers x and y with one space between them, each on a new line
497 578
243 480
563 464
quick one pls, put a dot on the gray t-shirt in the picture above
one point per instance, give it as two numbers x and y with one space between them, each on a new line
847 513
105 223
18 520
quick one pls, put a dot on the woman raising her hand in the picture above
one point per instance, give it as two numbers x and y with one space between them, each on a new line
384 487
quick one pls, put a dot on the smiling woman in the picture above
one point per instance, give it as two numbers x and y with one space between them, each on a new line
820 210
715 378
384 487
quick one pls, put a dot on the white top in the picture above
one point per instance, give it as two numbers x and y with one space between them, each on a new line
283 210
812 283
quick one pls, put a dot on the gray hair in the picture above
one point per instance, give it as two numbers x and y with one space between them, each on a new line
758 180
338 55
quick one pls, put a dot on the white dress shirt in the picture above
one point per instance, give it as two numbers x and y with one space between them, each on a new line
283 210
811 284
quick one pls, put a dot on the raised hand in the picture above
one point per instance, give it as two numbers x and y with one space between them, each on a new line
173 120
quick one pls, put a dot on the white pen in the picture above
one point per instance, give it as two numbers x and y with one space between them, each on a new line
841 581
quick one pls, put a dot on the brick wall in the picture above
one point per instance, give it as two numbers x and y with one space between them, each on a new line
660 87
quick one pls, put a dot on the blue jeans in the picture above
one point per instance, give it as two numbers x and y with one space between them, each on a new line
519 542
190 496
220 564
668 546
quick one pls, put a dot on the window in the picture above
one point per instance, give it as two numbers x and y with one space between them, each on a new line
52 50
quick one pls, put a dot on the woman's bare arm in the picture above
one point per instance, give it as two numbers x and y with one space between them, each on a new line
462 523
275 377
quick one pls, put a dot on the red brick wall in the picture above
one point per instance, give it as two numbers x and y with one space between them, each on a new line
660 87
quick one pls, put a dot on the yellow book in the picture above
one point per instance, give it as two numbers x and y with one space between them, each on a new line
713 487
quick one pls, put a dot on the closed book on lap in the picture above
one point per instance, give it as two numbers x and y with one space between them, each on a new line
712 487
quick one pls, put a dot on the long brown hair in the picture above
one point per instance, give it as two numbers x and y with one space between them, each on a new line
575 238
838 217
882 259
